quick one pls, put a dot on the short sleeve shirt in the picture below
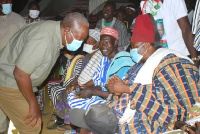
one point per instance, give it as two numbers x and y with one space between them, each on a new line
34 49
170 12
9 25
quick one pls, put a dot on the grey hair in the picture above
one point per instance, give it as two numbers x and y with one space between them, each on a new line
75 20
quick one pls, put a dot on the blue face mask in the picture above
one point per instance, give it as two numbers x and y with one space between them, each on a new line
74 45
6 8
135 55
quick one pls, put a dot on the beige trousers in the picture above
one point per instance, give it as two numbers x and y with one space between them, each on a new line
3 121
14 105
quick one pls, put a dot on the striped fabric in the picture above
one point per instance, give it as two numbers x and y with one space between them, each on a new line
83 103
124 36
196 26
99 79
174 90
87 73
55 88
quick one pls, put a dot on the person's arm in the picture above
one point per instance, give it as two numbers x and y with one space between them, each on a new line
25 86
188 38
137 93
95 91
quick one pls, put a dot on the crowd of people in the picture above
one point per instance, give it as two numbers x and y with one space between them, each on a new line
136 72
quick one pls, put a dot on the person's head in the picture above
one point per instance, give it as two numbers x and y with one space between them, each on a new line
108 42
78 10
34 9
109 10
120 14
131 10
74 29
99 119
5 7
145 39
92 41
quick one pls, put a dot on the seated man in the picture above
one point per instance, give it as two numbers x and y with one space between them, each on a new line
113 62
95 92
162 91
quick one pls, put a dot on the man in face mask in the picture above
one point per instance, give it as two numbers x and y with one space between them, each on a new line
34 11
27 61
10 23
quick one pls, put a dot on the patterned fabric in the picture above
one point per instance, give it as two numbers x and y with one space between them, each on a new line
119 105
100 78
70 70
110 31
54 83
28 20
61 106
196 26
55 90
124 36
87 73
174 90
95 33
39 97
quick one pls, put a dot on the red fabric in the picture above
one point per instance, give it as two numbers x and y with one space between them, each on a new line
143 30
110 31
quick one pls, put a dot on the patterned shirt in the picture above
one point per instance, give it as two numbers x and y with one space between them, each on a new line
174 90
29 20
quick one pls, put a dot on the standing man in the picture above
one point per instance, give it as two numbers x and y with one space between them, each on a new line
10 23
34 12
173 15
109 20
26 62
33 16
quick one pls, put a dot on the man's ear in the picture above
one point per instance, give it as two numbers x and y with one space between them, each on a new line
67 29
116 43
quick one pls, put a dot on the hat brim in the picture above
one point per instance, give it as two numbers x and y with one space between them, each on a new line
76 117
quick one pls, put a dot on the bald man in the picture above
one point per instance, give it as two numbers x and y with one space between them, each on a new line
26 62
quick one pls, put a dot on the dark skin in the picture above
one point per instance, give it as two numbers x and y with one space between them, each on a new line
188 37
34 7
24 81
108 47
197 131
4 2
108 12
115 84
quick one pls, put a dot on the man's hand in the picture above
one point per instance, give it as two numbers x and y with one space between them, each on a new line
197 131
87 85
25 86
71 87
117 86
84 94
34 115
